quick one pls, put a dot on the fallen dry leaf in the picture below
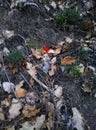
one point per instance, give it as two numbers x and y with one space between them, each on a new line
86 88
36 126
7 34
58 92
31 69
50 107
53 60
77 120
68 40
14 70
53 4
46 66
49 122
30 111
32 72
67 60
59 103
11 128
46 96
60 43
46 57
53 70
41 50
26 126
5 51
31 97
14 3
2 40
20 84
20 92
8 87
39 122
14 110
31 81
52 67
55 52
46 63
6 102
36 53
81 68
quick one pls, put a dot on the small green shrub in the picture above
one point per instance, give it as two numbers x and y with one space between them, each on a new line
72 15
60 19
68 17
15 58
83 54
44 1
73 70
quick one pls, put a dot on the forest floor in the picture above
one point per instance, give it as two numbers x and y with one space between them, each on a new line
47 71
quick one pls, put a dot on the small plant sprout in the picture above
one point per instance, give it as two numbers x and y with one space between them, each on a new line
60 19
68 17
15 58
73 70
83 54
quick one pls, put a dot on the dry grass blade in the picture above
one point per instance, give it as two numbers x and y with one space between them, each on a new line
32 72
8 78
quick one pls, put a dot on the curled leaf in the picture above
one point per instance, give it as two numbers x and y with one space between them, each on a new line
20 92
20 84
77 120
56 51
36 53
8 86
14 70
7 34
30 111
53 70
67 60
31 69
58 92
14 110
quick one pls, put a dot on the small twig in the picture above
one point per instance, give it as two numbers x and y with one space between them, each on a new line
8 78
69 52
41 84
42 77
26 81
32 72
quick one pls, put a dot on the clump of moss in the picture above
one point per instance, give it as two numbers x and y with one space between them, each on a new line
44 1
83 54
73 70
60 19
15 57
68 17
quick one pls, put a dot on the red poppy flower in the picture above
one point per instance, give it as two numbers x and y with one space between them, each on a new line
46 48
